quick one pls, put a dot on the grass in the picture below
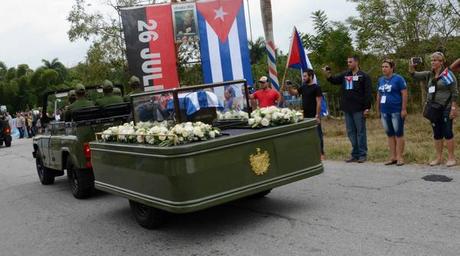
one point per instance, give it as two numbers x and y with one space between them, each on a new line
417 132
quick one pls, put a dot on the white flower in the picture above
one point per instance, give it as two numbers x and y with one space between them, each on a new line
265 122
212 134
251 121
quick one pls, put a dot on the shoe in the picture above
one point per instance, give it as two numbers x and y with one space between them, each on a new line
400 163
362 159
451 163
390 162
435 162
351 160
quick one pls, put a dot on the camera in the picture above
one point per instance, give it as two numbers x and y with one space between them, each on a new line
416 60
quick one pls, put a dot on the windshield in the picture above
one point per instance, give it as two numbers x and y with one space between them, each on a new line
207 103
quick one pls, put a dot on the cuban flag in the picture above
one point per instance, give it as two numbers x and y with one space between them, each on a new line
223 41
349 83
447 77
297 59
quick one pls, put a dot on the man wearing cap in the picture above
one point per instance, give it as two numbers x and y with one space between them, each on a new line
81 101
109 98
116 91
135 85
71 96
265 96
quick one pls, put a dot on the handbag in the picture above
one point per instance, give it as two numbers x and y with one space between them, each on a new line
434 111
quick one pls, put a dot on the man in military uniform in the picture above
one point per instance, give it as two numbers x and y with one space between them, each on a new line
71 96
117 91
135 85
80 102
109 98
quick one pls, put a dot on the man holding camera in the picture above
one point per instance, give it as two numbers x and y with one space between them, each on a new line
355 102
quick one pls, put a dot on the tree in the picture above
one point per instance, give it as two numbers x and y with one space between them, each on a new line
390 26
257 50
57 66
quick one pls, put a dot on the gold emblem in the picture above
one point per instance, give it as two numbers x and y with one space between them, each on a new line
260 162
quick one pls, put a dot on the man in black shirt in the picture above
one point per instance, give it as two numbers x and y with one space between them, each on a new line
355 102
311 101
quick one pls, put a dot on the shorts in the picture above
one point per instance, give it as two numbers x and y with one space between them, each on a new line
393 124
443 128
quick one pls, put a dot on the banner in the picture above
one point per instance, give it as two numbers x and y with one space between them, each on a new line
150 45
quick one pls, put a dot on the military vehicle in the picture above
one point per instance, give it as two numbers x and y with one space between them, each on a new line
63 145
5 129
190 177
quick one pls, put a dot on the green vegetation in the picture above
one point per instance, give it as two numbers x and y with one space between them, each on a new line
417 132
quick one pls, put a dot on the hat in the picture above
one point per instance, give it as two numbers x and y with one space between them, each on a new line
263 79
134 79
107 84
116 91
79 88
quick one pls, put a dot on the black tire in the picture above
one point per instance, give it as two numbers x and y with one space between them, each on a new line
1 142
146 216
45 175
261 194
8 141
81 180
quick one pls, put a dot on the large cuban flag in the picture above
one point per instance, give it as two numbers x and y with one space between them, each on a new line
223 41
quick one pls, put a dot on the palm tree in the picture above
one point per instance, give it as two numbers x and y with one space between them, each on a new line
257 50
267 20
57 66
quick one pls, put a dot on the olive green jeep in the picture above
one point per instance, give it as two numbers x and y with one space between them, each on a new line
62 145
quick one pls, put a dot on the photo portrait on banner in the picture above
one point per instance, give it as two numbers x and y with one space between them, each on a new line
186 32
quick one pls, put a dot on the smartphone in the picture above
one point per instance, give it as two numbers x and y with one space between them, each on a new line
416 60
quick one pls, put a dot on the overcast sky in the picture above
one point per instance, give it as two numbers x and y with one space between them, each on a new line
32 30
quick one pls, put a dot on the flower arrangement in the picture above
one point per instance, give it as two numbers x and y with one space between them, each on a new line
273 116
232 115
161 134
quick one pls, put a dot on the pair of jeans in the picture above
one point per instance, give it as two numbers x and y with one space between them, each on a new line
356 130
393 124
321 140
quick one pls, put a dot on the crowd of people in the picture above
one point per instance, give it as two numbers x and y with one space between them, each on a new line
440 109
440 85
24 124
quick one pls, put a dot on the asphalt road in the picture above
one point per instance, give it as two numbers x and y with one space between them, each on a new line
351 209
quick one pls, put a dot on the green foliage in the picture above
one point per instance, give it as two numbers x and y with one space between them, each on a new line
399 26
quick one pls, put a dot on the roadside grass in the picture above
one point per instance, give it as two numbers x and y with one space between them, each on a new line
417 132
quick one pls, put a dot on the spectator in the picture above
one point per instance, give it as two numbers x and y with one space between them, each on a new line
311 101
355 102
391 105
20 123
265 96
441 88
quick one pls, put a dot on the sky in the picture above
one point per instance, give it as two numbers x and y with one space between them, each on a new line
33 30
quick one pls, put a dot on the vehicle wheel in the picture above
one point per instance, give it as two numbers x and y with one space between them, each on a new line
8 141
1 142
81 181
45 175
148 217
261 194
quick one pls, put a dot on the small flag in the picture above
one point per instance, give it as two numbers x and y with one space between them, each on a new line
447 77
297 59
